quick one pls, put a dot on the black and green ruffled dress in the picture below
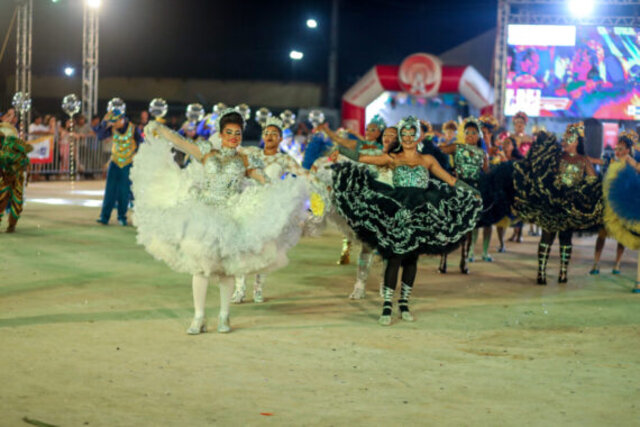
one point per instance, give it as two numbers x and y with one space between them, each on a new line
554 193
416 214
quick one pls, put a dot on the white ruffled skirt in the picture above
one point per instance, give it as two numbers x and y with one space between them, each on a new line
250 232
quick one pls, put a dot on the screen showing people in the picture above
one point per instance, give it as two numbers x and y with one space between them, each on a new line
583 71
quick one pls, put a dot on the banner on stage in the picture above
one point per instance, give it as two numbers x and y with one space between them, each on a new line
42 150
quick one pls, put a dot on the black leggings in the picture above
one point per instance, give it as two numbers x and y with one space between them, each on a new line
549 236
409 264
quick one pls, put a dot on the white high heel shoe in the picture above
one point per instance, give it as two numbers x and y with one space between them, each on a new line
223 325
198 326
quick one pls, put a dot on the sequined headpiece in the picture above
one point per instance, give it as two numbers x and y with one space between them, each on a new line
574 130
226 112
410 122
521 115
629 135
473 120
378 121
274 121
489 121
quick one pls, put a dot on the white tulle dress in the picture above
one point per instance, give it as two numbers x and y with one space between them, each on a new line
205 220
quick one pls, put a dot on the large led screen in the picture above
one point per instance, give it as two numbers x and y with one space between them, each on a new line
573 72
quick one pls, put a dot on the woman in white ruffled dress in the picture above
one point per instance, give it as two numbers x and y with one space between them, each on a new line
276 166
204 220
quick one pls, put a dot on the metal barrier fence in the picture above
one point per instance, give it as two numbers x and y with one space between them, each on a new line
91 158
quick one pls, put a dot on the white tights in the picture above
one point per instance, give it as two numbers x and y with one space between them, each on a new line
199 285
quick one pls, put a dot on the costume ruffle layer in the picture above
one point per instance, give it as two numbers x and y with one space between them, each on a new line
405 220
622 204
540 199
249 232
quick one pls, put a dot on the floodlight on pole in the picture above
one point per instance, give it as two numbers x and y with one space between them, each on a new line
69 71
94 3
296 55
312 23
581 8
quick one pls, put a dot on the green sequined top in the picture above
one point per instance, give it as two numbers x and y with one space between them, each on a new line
407 176
468 161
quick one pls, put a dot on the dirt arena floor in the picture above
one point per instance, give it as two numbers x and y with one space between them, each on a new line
92 332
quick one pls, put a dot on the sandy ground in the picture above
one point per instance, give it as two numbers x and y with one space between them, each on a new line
92 332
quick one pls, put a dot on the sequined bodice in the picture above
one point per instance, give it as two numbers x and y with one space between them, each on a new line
468 161
124 147
570 173
407 176
276 165
225 172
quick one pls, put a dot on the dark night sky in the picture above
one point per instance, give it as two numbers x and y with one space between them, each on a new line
232 39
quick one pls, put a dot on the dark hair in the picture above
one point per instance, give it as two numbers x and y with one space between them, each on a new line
480 142
429 147
626 141
231 118
395 144
580 149
515 153
379 138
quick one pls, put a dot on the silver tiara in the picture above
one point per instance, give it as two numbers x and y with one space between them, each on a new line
227 112
274 121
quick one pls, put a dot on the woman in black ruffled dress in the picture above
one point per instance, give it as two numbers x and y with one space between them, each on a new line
415 215
557 188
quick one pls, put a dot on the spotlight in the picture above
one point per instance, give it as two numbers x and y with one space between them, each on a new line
295 55
69 71
581 8
312 23
94 3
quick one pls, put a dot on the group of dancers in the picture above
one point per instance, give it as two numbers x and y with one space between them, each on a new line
229 212
235 211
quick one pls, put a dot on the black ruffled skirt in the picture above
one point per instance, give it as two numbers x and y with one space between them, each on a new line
404 220
496 189
539 199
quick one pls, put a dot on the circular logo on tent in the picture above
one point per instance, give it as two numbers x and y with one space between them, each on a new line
420 74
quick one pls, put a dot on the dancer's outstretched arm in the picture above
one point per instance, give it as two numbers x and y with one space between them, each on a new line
180 143
382 160
345 142
436 170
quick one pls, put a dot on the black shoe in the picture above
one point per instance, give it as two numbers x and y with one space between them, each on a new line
102 222
541 280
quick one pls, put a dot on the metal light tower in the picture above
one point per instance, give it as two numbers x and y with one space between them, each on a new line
333 56
529 12
23 49
90 58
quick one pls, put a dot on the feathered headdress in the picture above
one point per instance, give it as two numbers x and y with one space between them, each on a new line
378 121
574 130
410 122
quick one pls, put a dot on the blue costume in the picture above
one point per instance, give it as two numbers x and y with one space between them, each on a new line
118 188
